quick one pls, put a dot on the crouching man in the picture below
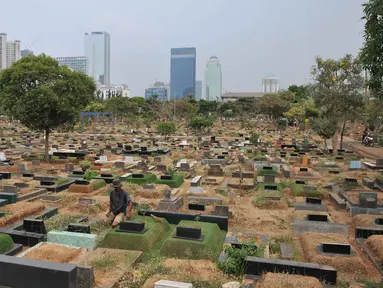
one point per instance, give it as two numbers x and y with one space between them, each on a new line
120 205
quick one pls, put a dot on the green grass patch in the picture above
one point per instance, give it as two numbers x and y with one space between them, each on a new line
103 262
209 248
176 182
297 191
6 243
147 179
61 180
97 184
130 241
263 172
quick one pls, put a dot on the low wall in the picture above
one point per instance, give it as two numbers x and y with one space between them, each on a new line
300 226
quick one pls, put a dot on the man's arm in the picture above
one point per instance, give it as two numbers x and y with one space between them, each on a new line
110 204
130 203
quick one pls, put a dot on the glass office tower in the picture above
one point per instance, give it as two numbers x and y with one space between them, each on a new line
182 72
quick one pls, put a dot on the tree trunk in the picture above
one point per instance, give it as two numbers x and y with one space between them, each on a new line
47 145
335 143
341 134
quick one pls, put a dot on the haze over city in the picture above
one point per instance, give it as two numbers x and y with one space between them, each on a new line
252 38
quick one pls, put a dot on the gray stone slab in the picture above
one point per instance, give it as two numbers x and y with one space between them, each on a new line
287 251
300 226
354 210
311 207
205 200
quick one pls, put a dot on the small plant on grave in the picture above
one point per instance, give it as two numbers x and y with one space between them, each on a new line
235 261
254 137
55 158
142 207
223 192
89 175
197 218
170 172
85 165
61 180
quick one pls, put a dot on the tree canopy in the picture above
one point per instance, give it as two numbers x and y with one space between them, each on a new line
43 95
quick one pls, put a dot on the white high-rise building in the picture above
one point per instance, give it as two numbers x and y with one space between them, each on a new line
79 63
213 80
3 51
13 52
270 85
97 49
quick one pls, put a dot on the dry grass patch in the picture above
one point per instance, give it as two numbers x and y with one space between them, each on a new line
364 220
310 242
375 243
189 271
279 280
18 211
55 253
109 264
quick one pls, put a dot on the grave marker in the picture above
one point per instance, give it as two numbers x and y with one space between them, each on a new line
132 227
189 233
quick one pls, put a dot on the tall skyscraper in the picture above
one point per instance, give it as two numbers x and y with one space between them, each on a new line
79 63
97 49
3 51
26 52
270 85
182 72
13 52
213 80
198 90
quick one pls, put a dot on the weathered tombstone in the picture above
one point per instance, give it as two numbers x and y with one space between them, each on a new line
119 164
215 170
69 167
22 167
35 162
157 159
269 178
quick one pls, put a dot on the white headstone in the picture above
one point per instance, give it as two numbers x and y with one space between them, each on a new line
2 156
103 159
129 160
172 284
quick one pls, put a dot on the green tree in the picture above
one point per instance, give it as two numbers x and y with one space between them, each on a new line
199 124
372 51
338 90
325 128
166 128
273 105
43 95
299 92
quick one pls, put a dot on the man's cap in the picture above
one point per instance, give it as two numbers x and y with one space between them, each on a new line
117 183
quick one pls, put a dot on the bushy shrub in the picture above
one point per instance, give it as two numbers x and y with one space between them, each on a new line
85 165
6 243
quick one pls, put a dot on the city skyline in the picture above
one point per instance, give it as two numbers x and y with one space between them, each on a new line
251 45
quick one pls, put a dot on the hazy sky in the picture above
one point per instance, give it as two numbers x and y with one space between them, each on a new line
252 38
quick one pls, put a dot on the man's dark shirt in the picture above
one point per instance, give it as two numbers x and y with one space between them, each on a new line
119 201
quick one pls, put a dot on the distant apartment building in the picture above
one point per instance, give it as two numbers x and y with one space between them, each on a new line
26 52
198 90
79 63
107 92
213 80
232 96
182 72
158 90
3 51
270 85
97 49
13 52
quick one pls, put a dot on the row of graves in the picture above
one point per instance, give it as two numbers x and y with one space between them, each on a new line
50 218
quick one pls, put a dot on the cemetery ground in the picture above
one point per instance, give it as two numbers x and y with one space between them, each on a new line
282 213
